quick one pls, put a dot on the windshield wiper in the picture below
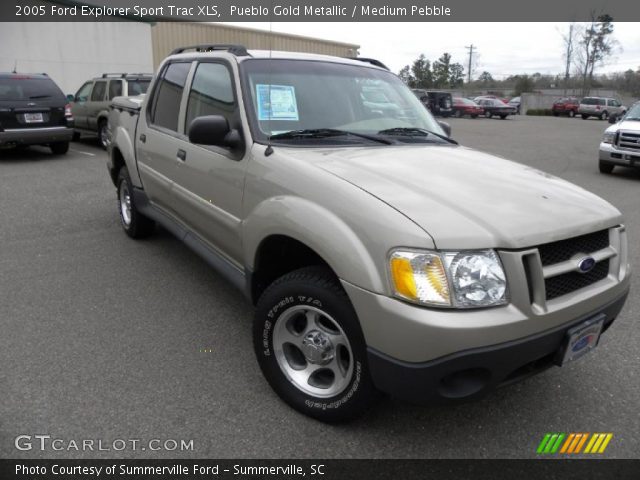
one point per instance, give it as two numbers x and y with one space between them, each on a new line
327 133
414 132
33 97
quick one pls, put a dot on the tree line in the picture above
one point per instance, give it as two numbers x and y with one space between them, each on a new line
587 46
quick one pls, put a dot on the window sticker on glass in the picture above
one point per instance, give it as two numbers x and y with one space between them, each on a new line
279 105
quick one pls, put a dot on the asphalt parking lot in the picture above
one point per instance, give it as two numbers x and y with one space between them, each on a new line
103 337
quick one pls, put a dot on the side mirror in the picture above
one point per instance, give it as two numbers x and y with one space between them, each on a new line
213 130
613 118
70 98
446 127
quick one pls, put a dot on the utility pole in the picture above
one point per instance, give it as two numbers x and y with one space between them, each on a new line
470 48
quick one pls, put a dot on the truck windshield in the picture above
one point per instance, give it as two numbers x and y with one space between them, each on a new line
287 99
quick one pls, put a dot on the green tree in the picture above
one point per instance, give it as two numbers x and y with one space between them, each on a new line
596 44
486 79
421 73
524 83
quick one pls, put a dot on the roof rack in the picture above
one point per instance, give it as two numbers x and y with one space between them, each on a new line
372 61
237 50
124 75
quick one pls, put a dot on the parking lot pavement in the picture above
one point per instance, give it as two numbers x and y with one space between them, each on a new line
103 337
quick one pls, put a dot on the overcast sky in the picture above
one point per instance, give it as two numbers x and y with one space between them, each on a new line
503 48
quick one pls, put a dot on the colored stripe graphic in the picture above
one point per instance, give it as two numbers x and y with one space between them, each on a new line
573 443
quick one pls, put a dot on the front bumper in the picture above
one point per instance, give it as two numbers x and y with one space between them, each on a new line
609 154
470 374
35 136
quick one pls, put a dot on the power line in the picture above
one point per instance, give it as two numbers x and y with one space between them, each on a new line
470 48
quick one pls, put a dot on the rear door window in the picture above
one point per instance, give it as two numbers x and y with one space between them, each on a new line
98 91
166 104
115 89
138 87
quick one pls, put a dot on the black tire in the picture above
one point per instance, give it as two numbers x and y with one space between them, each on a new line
316 290
556 114
584 117
502 117
59 148
605 167
475 115
458 114
604 115
136 225
572 113
102 133
488 114
76 136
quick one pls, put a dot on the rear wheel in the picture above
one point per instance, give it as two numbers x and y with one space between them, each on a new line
458 113
59 148
310 347
487 114
604 115
605 167
502 117
475 115
555 114
572 113
76 136
134 223
584 117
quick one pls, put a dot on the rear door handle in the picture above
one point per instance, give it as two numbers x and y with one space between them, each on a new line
143 138
182 155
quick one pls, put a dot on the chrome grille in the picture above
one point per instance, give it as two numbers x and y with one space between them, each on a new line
628 140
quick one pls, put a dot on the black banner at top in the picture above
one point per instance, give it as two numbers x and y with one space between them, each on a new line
317 10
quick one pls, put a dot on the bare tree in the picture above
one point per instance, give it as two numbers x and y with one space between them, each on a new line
568 39
596 44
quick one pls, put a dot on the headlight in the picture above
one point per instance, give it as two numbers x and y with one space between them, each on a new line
449 279
608 137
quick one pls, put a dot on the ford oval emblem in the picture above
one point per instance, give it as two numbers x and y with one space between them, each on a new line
586 264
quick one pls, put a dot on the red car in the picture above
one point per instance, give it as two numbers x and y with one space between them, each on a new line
565 106
464 106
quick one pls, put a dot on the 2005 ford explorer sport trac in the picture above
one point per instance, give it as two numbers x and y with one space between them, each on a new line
380 254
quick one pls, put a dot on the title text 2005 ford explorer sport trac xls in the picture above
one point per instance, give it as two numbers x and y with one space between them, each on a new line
379 253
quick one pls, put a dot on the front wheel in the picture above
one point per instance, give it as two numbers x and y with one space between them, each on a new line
487 114
458 114
605 167
310 347
502 117
604 115
584 117
572 113
134 223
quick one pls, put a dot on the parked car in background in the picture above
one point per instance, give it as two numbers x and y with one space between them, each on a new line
515 102
495 107
34 111
621 142
566 106
90 107
465 106
600 107
438 103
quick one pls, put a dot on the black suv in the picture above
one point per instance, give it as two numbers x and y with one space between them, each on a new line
34 111
90 107
438 103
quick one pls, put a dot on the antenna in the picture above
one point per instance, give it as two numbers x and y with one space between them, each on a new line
15 66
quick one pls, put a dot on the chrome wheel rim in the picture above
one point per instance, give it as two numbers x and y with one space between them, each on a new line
125 204
313 351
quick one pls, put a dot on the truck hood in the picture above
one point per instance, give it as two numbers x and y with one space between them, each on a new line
630 125
467 199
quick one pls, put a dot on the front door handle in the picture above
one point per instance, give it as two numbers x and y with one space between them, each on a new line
143 138
182 155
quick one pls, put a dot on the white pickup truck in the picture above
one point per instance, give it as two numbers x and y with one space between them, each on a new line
620 143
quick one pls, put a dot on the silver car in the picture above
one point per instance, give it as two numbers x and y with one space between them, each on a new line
600 107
